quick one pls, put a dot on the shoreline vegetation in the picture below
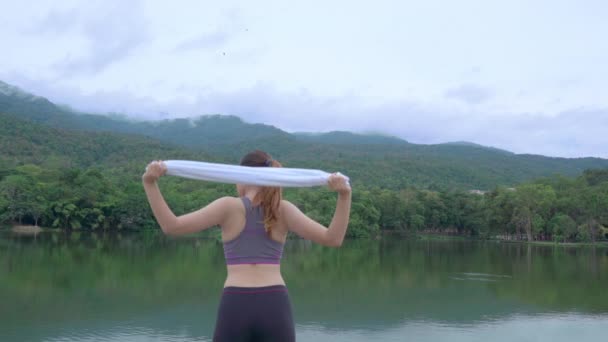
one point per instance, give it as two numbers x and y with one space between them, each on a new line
440 237
423 236
97 199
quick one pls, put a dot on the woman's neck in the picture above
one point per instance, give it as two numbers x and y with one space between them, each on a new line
251 194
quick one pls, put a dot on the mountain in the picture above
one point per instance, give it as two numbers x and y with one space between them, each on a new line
371 159
470 144
203 131
341 137
24 141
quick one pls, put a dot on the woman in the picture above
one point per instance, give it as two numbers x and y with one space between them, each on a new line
255 304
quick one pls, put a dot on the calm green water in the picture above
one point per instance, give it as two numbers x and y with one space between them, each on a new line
146 287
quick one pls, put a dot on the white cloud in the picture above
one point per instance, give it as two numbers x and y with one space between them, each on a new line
506 74
469 93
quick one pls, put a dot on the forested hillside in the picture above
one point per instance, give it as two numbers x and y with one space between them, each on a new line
375 160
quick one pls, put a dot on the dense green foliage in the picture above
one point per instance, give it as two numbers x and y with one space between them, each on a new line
552 209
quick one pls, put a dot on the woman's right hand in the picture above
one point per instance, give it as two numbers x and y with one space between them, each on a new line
153 171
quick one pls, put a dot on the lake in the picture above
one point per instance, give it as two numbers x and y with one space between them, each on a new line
148 287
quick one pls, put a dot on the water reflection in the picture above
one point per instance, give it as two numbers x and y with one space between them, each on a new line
81 287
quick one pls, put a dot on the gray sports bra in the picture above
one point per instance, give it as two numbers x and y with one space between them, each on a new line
253 245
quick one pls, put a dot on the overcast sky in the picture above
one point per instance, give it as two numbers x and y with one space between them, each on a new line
526 76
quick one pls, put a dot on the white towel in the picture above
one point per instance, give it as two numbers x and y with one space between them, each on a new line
264 176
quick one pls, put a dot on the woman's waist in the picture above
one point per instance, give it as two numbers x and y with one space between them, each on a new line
252 275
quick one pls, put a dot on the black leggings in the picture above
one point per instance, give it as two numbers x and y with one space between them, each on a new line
254 314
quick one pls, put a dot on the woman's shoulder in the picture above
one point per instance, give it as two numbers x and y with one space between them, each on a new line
287 207
285 203
230 202
228 205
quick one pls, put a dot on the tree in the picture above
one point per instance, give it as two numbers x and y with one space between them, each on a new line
532 200
389 205
17 193
595 201
563 227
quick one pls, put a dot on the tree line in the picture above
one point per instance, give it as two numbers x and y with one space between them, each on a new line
549 209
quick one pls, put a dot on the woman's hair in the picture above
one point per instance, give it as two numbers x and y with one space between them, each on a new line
269 196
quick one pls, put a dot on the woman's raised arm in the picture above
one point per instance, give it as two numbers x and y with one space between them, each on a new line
211 215
309 229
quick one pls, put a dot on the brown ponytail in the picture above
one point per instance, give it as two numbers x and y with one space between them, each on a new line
269 197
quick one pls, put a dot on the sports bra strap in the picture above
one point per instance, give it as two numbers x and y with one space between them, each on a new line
246 203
